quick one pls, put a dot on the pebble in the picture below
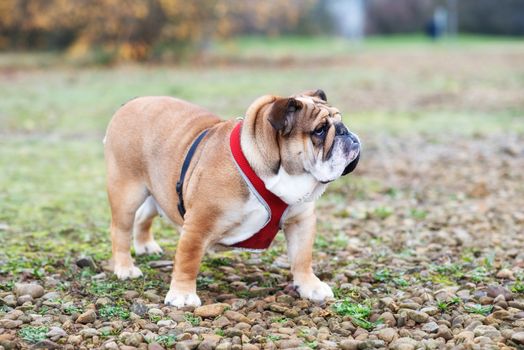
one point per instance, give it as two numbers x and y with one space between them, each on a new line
505 274
387 334
349 344
518 337
211 310
85 261
289 343
221 322
32 289
153 297
404 344
87 317
430 327
444 332
417 316
139 308
487 331
111 345
56 332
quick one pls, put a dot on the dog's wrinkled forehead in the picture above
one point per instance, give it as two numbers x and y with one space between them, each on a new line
316 110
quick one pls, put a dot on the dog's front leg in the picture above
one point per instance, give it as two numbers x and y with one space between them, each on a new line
189 253
300 236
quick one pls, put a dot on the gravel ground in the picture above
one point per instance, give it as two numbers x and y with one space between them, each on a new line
423 246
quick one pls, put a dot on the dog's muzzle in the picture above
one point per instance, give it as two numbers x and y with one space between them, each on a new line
353 147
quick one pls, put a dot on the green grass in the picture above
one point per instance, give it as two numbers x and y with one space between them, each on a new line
359 313
192 319
479 309
33 334
110 312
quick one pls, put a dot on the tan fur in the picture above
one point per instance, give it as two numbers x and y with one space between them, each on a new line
146 143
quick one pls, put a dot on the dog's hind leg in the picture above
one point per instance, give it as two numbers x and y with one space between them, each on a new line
125 197
144 241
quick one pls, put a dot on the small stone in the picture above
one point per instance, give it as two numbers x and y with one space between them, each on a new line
74 339
139 309
102 302
465 336
518 337
404 344
495 290
221 322
430 327
505 274
211 310
111 345
131 294
132 339
56 332
417 316
10 324
349 344
289 343
371 344
388 319
224 346
89 332
187 345
32 289
51 296
157 264
444 332
387 334
236 316
155 312
487 331
430 310
166 323
87 317
233 332
10 300
153 297
47 344
250 347
154 346
85 261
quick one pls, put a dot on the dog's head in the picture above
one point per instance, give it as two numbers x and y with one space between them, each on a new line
311 137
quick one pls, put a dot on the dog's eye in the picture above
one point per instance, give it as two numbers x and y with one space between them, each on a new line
321 130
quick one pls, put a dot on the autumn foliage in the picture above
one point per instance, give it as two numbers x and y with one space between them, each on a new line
136 29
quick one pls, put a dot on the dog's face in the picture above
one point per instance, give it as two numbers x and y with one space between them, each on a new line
312 137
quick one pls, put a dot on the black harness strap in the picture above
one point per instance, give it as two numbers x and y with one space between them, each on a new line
185 166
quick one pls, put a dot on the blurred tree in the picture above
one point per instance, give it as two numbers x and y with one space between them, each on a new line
131 29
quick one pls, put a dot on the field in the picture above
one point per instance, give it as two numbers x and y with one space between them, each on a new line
423 244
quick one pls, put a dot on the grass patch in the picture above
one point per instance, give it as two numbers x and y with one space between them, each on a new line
479 309
110 312
166 340
33 334
518 287
192 319
358 313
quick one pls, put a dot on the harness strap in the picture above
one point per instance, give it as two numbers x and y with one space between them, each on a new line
263 238
185 166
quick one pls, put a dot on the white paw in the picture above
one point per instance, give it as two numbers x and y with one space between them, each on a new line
125 272
314 290
178 299
150 247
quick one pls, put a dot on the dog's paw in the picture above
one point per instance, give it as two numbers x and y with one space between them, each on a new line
125 272
150 248
314 289
180 299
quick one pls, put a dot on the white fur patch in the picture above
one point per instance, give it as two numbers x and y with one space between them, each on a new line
294 189
252 217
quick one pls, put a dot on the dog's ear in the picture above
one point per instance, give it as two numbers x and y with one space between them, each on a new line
283 114
319 93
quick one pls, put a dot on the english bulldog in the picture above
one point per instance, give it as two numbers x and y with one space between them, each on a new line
225 182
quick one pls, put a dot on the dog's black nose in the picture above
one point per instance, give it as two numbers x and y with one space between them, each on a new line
341 130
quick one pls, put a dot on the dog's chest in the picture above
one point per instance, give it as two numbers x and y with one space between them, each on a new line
245 221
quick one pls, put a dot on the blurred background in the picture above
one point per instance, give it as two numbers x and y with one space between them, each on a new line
108 31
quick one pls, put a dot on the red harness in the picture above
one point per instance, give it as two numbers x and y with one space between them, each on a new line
263 238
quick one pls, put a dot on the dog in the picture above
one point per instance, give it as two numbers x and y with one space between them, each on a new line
225 182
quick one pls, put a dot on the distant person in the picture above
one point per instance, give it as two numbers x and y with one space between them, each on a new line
438 24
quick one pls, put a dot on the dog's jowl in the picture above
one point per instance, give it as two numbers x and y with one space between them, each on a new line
225 182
